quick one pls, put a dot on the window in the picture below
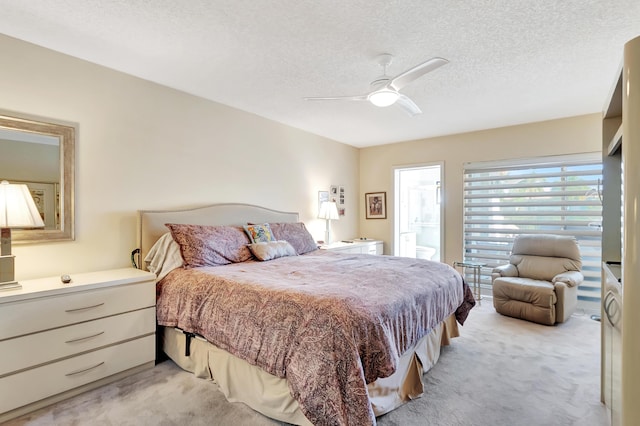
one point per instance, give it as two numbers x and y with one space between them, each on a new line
549 195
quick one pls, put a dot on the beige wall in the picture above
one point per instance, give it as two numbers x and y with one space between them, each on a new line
27 161
564 136
144 146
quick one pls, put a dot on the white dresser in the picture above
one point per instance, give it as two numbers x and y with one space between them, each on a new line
58 340
356 246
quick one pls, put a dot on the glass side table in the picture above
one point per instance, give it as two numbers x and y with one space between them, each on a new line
476 267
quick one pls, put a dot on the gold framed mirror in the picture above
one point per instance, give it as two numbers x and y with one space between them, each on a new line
40 153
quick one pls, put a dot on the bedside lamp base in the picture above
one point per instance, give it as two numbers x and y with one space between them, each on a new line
7 270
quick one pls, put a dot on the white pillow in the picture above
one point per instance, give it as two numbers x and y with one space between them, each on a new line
164 256
268 250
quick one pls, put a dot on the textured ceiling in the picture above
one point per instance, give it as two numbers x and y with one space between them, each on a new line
511 61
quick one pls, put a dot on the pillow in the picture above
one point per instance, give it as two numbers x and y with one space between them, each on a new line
164 256
210 245
296 234
259 233
268 250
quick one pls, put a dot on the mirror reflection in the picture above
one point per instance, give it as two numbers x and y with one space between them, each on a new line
40 154
34 159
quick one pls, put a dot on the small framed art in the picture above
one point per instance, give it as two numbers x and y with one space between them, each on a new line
376 205
333 193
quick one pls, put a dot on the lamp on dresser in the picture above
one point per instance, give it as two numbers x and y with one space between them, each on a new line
328 212
17 210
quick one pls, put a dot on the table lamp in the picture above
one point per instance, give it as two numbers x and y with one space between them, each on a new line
329 212
17 210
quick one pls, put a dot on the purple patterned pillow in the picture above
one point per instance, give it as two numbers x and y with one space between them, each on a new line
210 245
296 234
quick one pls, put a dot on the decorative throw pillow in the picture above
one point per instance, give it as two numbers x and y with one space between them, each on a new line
259 233
210 245
164 256
296 234
268 250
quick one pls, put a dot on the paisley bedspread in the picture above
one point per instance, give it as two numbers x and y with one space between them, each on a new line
327 322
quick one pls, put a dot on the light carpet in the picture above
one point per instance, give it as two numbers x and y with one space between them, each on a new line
501 371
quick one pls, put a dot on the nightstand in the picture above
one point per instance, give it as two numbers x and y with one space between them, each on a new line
58 340
356 246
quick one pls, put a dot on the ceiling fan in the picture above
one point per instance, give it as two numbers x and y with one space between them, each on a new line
385 89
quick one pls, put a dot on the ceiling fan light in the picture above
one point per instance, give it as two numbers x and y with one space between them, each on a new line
383 98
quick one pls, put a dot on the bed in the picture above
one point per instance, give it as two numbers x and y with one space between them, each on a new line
304 336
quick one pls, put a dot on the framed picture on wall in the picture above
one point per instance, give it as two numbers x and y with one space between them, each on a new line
376 205
333 193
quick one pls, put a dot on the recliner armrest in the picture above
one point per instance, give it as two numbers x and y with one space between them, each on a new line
508 270
570 278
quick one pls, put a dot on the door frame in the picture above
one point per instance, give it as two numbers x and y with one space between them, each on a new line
395 234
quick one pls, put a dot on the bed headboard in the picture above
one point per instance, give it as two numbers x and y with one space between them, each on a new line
151 222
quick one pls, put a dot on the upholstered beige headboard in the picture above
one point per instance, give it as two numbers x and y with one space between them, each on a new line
151 223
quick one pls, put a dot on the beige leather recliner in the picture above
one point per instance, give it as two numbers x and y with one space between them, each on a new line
540 283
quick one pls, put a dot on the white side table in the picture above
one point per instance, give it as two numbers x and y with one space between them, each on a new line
356 246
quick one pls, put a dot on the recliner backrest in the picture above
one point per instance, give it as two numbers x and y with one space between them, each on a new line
542 256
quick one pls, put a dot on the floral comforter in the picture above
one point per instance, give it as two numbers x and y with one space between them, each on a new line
327 322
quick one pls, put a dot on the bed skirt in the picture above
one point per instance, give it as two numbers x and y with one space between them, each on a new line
240 381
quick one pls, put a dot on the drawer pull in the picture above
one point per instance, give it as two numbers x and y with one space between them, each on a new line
85 308
79 339
84 370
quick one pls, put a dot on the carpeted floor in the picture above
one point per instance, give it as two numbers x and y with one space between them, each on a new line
501 371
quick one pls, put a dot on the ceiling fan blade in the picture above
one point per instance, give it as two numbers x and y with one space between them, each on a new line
339 98
408 105
401 80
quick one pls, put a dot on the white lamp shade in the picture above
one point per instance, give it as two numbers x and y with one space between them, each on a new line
329 211
17 208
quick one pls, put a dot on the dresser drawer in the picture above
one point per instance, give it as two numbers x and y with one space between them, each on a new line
32 315
350 249
39 383
356 246
376 248
39 348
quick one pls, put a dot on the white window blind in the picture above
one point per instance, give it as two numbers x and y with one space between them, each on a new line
549 195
